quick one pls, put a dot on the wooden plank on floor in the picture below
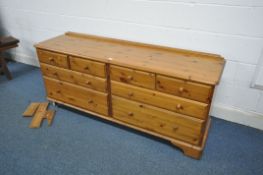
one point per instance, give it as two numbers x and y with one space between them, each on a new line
31 109
50 114
38 117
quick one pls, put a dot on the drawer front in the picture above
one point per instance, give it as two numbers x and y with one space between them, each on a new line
159 120
88 66
134 77
77 78
52 58
77 95
166 101
183 88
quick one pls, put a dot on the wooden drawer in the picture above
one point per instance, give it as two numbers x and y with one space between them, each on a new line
76 95
52 58
159 120
166 101
195 91
134 77
88 66
77 78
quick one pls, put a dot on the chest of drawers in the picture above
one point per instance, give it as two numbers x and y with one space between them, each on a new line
162 91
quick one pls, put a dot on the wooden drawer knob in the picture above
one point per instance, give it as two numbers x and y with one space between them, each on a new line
51 59
141 105
88 82
90 101
179 106
175 128
130 114
129 77
86 68
181 89
130 94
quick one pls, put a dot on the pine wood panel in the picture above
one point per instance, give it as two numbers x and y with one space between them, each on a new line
50 114
30 110
53 58
166 101
87 66
183 88
194 66
74 77
77 95
131 76
39 115
159 120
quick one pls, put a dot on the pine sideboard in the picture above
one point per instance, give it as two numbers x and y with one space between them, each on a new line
162 91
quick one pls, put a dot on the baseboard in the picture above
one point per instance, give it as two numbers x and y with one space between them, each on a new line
25 59
248 118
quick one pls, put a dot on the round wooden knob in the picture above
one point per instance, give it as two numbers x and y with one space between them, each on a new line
90 101
130 77
181 89
179 106
130 113
140 105
88 82
175 128
51 59
86 68
130 94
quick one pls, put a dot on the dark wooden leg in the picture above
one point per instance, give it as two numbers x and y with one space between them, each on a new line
4 68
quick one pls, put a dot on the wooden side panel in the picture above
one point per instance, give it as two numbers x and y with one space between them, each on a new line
39 115
31 109
50 114
134 77
77 95
88 66
76 78
53 58
183 88
177 104
158 120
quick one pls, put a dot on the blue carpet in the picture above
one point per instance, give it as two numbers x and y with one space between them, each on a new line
81 144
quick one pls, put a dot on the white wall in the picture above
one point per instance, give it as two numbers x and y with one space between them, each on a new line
233 29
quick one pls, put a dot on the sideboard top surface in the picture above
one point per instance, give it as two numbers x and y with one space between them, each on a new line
185 64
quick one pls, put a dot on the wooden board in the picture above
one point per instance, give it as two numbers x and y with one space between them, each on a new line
39 115
31 109
50 114
194 66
